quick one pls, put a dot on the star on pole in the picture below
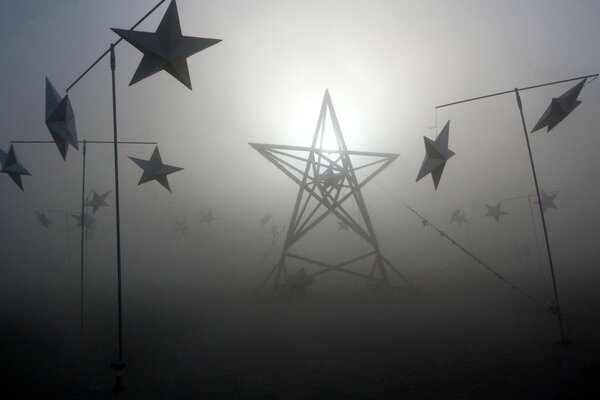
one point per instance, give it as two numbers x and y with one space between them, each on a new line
207 217
548 201
43 219
166 49
495 211
155 170
97 201
559 108
459 216
87 221
436 155
60 120
12 167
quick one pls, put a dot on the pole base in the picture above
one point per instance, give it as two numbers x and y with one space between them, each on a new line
118 367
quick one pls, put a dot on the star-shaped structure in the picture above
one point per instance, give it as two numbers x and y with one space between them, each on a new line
155 170
342 226
548 201
60 120
97 201
559 108
459 216
166 49
265 220
43 219
425 222
299 280
495 211
436 155
330 180
207 217
87 221
181 227
12 167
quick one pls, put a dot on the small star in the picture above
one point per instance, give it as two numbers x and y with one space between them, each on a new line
207 217
11 166
181 227
342 226
495 212
425 222
548 201
436 155
459 216
97 201
43 219
155 170
166 49
88 222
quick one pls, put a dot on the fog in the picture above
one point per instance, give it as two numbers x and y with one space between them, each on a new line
194 324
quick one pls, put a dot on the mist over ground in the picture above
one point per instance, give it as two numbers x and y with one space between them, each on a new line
194 325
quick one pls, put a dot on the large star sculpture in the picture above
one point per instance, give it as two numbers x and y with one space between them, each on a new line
459 216
436 155
181 227
548 201
155 170
166 49
495 211
97 201
559 108
330 181
60 120
207 217
87 221
43 219
12 167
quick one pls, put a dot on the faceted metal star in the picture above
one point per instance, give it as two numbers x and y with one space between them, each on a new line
495 211
166 49
548 201
459 216
559 108
87 221
207 217
11 166
43 219
60 120
436 155
97 201
155 170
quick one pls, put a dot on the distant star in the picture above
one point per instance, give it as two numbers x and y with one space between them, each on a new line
548 201
459 216
436 155
88 222
342 226
11 166
181 227
97 201
207 217
559 108
155 170
265 220
60 120
166 49
495 211
43 219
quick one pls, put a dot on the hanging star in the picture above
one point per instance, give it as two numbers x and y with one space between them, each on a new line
495 212
60 120
97 201
265 220
548 201
559 108
166 49
436 155
88 222
342 226
459 216
12 167
155 170
43 219
181 227
207 217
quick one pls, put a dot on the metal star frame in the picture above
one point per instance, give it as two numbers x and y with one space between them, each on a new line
328 180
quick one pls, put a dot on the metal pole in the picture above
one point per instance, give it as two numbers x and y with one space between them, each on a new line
563 338
82 238
118 366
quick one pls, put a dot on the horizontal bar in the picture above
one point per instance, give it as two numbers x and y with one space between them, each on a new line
513 90
80 141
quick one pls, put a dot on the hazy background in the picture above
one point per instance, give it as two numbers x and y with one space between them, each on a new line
387 65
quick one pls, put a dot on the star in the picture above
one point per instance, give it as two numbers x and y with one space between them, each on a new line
155 170
342 226
60 120
43 219
559 108
548 201
166 49
459 216
331 179
299 280
12 167
97 201
181 227
265 220
208 217
88 222
436 155
495 212
425 222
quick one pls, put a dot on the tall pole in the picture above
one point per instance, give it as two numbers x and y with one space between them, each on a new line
118 366
563 338
83 226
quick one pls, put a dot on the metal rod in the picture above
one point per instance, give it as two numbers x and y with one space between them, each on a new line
537 190
83 226
81 141
112 45
512 90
